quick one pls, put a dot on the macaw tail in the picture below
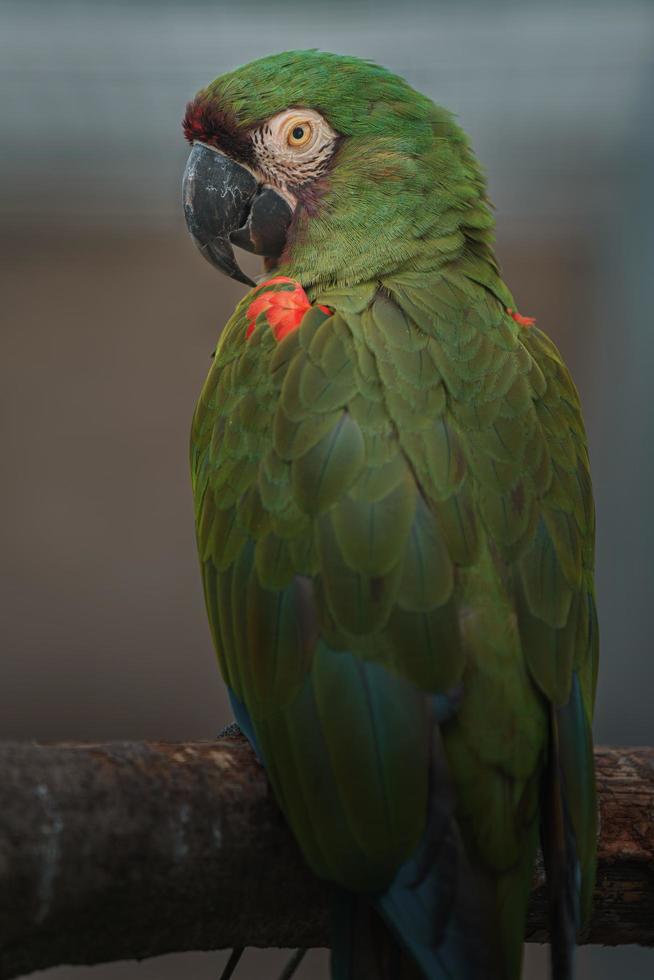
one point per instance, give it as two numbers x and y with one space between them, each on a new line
434 921
363 946
569 827
407 934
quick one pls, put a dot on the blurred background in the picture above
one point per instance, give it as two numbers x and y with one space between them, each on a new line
109 316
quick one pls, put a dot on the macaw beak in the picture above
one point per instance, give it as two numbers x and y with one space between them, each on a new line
224 204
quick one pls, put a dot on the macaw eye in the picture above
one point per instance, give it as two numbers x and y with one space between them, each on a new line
299 134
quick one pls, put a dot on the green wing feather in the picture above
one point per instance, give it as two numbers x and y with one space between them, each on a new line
392 500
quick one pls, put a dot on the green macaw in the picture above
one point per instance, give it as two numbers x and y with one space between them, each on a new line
395 521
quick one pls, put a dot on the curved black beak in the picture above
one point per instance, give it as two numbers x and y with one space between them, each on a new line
224 203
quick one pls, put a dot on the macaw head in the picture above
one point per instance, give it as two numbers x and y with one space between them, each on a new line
332 168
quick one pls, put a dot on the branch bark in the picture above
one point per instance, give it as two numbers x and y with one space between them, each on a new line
128 850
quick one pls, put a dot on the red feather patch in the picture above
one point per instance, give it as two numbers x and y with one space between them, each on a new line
208 123
284 309
522 321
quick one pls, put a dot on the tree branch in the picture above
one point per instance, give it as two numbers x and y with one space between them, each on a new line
127 850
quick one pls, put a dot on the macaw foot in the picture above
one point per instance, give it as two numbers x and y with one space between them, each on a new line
230 731
232 963
286 973
292 964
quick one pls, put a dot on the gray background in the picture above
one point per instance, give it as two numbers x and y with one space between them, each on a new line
109 316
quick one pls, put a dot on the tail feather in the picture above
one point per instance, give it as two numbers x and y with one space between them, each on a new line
568 829
443 920
438 906
562 868
363 947
433 922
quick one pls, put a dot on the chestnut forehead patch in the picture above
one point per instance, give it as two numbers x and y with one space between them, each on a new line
211 124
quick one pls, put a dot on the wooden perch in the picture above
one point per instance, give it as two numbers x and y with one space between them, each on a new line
127 850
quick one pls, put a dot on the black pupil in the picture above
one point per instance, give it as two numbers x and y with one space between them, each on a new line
298 132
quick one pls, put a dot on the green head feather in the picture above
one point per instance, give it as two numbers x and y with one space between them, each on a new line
404 191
